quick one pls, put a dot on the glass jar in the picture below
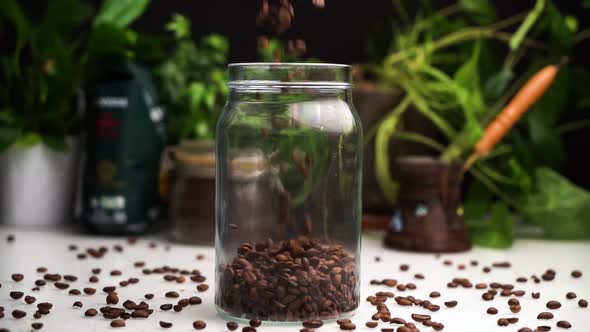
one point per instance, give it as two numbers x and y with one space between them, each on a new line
192 201
288 203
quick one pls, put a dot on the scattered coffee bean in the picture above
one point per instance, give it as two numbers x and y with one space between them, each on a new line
74 291
553 305
513 301
312 324
564 324
61 285
129 305
481 286
109 289
77 304
15 295
543 328
487 296
232 326
81 256
502 264
166 307
199 325
177 308
93 279
202 287
404 267
549 275
165 325
545 315
195 300
419 276
420 318
583 303
348 327
89 291
576 273
503 322
525 329
17 277
536 295
506 292
398 320
451 304
172 294
118 323
371 325
461 266
521 279
10 238
18 314
124 283
512 320
112 298
40 282
515 308
70 278
116 273
434 294
52 277
91 312
30 299
37 326
571 295
248 329
386 329
487 269
41 269
45 306
492 311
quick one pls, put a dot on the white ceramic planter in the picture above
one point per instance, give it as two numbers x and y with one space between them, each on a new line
37 185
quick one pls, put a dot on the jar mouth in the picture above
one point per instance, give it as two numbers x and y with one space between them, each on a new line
304 75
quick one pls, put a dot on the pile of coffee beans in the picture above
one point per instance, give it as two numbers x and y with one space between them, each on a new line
292 280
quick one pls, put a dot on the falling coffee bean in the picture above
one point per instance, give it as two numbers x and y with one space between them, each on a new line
118 323
16 295
564 324
17 277
492 311
545 315
553 305
576 274
583 303
199 325
18 314
165 325
571 295
232 326
37 326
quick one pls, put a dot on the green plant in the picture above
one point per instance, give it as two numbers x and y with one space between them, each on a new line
447 63
41 78
193 82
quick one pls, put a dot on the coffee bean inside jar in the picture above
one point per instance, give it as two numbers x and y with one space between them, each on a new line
289 153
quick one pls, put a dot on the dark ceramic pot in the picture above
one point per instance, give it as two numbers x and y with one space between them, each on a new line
429 218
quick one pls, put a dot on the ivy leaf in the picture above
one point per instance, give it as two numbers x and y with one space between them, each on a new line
482 11
120 13
497 232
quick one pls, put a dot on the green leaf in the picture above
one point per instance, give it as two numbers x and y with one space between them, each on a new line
498 83
482 11
180 26
560 34
196 95
108 40
28 140
120 13
519 36
559 206
497 232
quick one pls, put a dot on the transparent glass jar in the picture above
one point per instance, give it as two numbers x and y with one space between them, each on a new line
288 193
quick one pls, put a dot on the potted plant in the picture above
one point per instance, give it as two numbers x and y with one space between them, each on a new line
39 109
193 89
449 71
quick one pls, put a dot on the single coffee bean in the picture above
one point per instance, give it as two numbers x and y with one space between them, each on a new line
118 323
133 281
140 314
109 289
387 329
74 291
515 308
481 286
95 271
112 299
521 279
248 329
61 285
371 325
77 304
576 273
564 324
487 269
16 295
553 305
129 305
518 293
348 327
70 278
165 325
525 329
40 282
52 277
503 322
583 303
512 320
502 264
492 311
513 301
172 294
419 276
116 273
232 326
93 279
311 324
398 320
18 314
41 269
461 267
89 291
404 267
30 299
81 256
17 277
91 312
545 315
420 318
149 296
199 325
183 303
166 307
202 287
543 328
44 306
451 304
10 238
37 326
193 300
487 296
536 295
124 283
177 308
571 295
434 294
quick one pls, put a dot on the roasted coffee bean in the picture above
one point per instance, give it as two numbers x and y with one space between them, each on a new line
202 287
371 325
311 324
398 320
536 295
571 295
118 323
70 278
447 262
166 307
404 267
77 304
140 314
248 329
487 269
386 329
461 267
133 281
434 294
481 286
348 327
506 292
15 295
403 301
93 279
61 285
521 279
10 238
543 328
116 273
193 300
149 296
492 311
495 285
389 282
502 264
95 271
142 306
518 293
41 269
40 282
177 308
549 275
452 285
183 303
583 303
503 322
564 324
525 329
52 277
576 273
487 296
411 286
109 289
30 299
129 305
118 248
232 326
91 312
513 301
451 304
81 256
17 277
172 294
553 305
419 276
112 298
515 308
35 289
545 315
46 306
18 314
512 320
89 291
169 277
165 325
199 325
74 292
124 283
37 326
420 318
343 321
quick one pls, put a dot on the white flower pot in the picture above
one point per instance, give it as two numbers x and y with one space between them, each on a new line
37 185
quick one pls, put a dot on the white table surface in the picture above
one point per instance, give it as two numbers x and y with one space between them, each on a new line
34 247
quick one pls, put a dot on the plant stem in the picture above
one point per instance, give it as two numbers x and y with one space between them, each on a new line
418 138
581 36
493 175
573 126
493 188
